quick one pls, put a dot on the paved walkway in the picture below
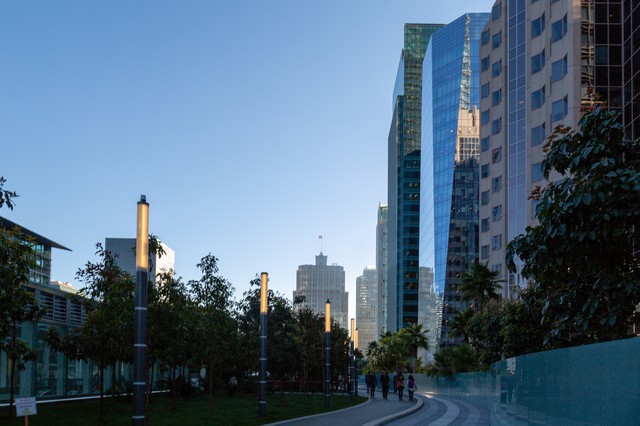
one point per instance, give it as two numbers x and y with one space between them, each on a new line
371 413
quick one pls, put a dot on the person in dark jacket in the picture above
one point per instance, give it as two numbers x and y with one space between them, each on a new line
400 385
384 382
372 383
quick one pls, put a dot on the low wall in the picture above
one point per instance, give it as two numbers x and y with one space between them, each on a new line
586 385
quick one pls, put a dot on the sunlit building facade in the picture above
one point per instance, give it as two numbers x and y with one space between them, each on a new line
382 257
124 251
366 306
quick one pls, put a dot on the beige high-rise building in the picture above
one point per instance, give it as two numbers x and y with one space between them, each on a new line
542 62
366 306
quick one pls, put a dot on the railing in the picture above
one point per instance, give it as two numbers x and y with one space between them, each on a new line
595 384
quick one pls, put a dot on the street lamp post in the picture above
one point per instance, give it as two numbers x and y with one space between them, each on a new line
327 349
262 403
355 345
140 338
351 359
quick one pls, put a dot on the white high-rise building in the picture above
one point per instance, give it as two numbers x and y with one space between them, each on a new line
367 306
315 284
124 250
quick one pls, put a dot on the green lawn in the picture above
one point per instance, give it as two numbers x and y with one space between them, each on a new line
237 410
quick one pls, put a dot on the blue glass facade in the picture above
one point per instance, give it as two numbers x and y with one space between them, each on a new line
449 194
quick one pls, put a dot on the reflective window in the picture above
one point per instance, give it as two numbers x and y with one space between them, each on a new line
484 90
484 198
496 97
496 11
537 98
484 37
559 69
484 225
536 172
559 29
537 26
559 109
537 135
484 117
496 242
484 171
496 155
496 40
496 184
484 252
496 126
496 68
484 144
537 62
496 213
484 64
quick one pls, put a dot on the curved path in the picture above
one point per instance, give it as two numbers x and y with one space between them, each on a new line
441 411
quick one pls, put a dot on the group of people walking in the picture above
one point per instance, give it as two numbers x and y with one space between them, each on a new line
385 381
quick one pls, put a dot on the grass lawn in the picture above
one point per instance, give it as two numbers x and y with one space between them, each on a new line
241 409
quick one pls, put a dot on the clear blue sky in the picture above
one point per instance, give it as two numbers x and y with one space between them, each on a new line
252 127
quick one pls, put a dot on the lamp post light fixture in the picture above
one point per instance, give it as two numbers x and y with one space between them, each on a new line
327 349
355 345
352 363
262 403
140 338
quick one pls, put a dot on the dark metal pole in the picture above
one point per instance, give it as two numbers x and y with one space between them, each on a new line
355 370
327 348
352 374
262 403
140 338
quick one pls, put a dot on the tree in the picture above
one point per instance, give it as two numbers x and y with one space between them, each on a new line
479 285
582 258
215 329
6 196
414 337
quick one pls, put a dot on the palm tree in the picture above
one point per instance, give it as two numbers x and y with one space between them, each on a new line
414 337
479 285
460 323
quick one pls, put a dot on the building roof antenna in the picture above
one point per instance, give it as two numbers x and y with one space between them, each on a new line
320 238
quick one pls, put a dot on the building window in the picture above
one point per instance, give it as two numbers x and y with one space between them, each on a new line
537 135
537 62
496 68
484 64
484 90
484 144
496 97
496 213
496 40
496 125
559 109
559 69
496 155
536 172
484 117
496 242
484 198
484 170
537 26
484 225
537 99
559 29
496 184
496 11
484 37
484 252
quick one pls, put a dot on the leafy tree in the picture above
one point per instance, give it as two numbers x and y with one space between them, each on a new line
413 337
6 196
453 360
479 285
309 339
582 257
215 329
17 303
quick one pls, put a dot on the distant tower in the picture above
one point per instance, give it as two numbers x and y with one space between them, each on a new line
366 306
124 249
317 283
381 267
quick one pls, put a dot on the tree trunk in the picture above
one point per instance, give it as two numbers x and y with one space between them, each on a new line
12 370
173 388
210 373
101 384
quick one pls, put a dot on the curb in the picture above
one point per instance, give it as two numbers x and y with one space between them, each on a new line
395 416
282 422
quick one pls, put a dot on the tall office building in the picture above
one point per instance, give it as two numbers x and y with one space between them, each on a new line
315 284
449 175
404 180
381 267
542 62
124 249
366 306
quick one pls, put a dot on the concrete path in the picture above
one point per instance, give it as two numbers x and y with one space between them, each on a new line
371 413
444 411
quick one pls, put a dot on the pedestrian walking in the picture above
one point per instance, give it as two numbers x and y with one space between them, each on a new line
393 382
400 385
374 383
411 387
384 382
367 381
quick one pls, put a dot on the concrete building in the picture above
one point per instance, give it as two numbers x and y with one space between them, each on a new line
543 62
382 256
315 284
404 180
366 306
124 249
449 174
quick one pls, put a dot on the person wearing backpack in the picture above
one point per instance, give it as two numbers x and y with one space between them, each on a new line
400 385
411 387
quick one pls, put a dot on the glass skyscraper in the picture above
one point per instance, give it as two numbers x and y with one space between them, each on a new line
404 179
449 170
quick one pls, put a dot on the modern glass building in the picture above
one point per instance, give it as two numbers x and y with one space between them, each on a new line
382 254
449 170
125 256
404 180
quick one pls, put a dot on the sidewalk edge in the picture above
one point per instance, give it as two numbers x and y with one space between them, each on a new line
398 415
